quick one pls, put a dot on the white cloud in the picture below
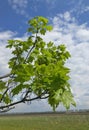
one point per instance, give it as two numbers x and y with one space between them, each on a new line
83 34
5 54
76 38
19 6
80 8
5 35
86 8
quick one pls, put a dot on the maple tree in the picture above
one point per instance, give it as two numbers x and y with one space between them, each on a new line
37 70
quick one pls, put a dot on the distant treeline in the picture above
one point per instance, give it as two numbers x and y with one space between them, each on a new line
82 111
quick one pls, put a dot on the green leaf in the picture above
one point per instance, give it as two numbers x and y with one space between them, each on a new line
7 99
43 31
17 89
0 96
10 43
2 85
49 28
67 54
50 44
67 99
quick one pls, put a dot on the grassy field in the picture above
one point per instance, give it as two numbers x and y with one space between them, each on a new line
45 122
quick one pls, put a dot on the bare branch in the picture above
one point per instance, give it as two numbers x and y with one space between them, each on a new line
22 101
29 53
32 47
5 76
26 94
7 109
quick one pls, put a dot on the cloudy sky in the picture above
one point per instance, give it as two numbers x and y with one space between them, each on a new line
70 20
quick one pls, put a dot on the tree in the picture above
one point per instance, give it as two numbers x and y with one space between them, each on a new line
37 70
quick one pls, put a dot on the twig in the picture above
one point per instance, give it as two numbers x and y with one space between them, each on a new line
5 76
22 101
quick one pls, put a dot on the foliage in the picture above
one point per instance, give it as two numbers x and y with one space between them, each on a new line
37 68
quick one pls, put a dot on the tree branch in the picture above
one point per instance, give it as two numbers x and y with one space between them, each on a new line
7 109
22 101
5 76
5 92
29 53
31 47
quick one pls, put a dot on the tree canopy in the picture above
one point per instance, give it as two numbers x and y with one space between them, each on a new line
37 70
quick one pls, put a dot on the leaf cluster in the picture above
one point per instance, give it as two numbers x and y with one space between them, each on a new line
39 68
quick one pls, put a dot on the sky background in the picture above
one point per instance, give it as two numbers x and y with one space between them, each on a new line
70 20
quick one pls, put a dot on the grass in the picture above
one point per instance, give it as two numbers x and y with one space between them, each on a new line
45 122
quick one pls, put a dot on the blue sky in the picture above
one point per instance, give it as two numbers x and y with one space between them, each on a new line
70 20
15 14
